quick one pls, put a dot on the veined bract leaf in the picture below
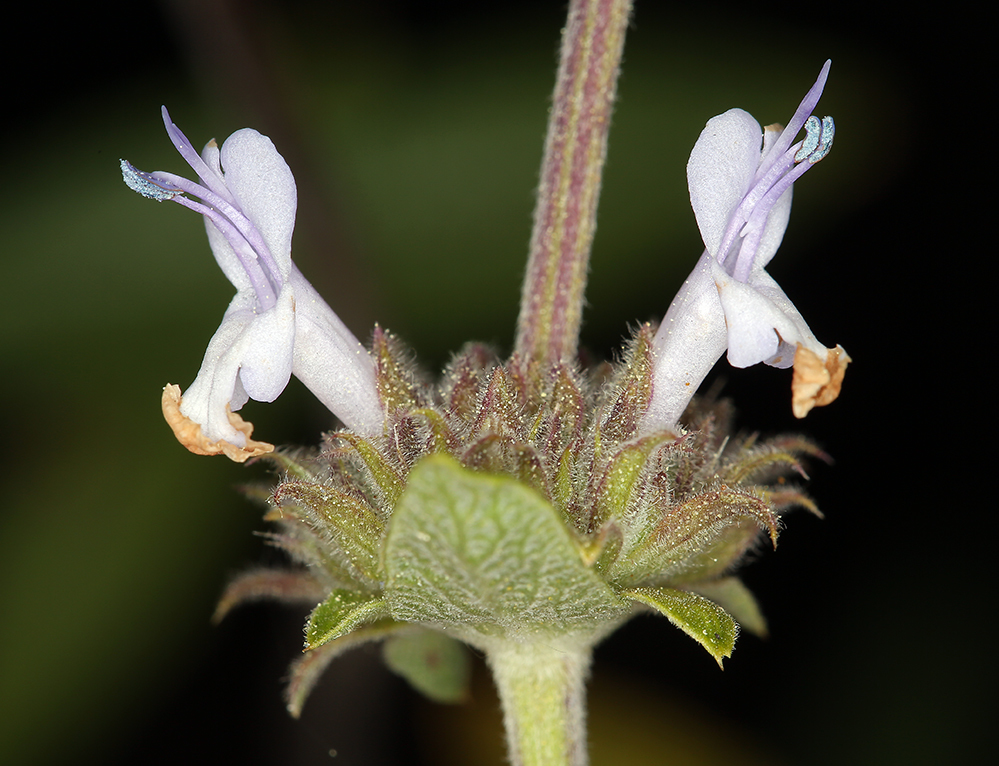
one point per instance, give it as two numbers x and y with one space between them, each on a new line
703 620
485 555
736 599
339 614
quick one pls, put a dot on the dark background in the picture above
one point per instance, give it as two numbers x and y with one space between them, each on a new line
415 132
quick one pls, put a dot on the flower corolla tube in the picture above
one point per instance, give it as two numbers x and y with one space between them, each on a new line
277 324
740 179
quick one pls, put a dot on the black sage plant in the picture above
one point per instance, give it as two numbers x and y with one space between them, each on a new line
524 506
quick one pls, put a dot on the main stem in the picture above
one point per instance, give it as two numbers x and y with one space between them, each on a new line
542 688
575 149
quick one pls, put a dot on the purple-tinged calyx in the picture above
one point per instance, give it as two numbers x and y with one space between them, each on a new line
276 324
740 179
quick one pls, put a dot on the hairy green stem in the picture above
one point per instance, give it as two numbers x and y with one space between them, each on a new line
575 148
542 687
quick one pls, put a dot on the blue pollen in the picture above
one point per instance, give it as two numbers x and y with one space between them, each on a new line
813 130
826 140
141 182
818 139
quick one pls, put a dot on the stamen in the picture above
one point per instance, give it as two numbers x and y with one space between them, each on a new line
757 222
186 150
818 141
826 141
144 183
813 129
235 218
750 217
743 214
800 115
162 186
262 286
219 206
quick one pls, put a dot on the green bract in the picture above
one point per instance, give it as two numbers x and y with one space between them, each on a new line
485 556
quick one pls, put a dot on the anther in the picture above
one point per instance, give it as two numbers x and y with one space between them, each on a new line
826 140
818 139
144 184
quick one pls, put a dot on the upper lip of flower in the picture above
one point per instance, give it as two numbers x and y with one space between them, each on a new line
255 245
741 189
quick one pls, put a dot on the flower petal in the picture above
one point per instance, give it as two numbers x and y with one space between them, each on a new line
817 380
690 339
720 170
776 225
791 336
227 259
764 326
332 363
756 326
264 188
192 437
265 367
217 388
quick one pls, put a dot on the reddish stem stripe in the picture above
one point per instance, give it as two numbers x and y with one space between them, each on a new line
575 149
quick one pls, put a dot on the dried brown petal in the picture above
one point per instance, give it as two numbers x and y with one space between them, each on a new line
816 381
189 433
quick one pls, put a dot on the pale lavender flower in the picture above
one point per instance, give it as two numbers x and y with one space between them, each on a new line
740 179
277 324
